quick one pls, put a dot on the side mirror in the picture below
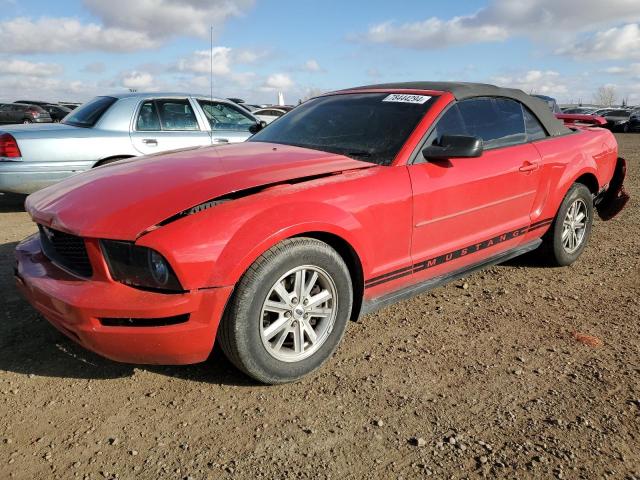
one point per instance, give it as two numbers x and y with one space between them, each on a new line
256 127
454 146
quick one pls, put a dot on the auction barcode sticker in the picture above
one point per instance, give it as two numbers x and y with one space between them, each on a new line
404 98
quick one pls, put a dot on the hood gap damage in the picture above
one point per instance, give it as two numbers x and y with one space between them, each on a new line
236 196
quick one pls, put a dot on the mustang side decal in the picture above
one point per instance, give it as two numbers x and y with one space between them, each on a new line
447 257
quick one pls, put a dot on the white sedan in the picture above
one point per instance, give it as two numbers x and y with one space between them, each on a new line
113 127
270 114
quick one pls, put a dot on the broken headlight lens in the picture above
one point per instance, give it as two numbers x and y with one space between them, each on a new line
139 267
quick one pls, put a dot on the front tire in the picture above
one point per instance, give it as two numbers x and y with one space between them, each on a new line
570 231
288 312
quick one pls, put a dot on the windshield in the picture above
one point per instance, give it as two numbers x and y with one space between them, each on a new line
88 114
371 127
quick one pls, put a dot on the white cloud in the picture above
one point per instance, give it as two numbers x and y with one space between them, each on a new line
544 20
200 61
542 82
15 66
434 33
632 69
278 81
249 56
47 89
126 26
59 35
166 18
95 67
311 66
224 58
612 44
138 80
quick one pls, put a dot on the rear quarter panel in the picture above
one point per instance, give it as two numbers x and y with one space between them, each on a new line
589 150
78 151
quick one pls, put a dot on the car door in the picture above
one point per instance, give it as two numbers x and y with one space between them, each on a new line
466 209
228 123
167 124
16 114
5 113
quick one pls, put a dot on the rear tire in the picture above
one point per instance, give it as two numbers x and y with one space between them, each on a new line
26 121
288 312
569 233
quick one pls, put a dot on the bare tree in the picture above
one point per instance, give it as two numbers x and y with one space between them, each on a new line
605 95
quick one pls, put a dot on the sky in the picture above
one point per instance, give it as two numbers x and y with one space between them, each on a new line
72 50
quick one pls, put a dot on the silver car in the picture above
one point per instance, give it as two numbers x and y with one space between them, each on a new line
109 128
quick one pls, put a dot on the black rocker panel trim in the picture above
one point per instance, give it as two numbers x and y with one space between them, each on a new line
370 306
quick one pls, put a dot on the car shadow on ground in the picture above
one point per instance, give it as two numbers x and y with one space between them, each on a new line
529 259
29 345
10 202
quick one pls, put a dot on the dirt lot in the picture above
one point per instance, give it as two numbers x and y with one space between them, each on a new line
457 383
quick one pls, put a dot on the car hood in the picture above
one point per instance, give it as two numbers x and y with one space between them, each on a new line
124 199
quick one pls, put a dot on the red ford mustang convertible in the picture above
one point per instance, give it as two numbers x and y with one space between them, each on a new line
352 201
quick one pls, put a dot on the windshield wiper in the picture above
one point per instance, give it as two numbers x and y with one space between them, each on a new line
358 154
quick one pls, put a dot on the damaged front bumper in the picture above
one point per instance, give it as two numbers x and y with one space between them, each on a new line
611 202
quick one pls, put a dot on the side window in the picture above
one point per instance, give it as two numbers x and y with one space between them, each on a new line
176 115
148 120
535 130
226 117
449 124
499 122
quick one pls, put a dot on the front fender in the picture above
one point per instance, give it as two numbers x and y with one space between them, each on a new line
277 223
214 247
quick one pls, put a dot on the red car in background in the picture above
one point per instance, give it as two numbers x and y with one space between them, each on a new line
352 201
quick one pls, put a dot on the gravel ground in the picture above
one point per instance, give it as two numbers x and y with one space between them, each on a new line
483 377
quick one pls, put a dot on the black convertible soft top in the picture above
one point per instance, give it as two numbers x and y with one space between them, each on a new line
462 90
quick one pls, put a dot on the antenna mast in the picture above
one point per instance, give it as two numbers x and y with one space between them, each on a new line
211 72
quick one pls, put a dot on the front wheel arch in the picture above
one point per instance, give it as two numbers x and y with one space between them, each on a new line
108 160
351 258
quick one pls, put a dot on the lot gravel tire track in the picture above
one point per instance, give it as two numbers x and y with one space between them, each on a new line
483 377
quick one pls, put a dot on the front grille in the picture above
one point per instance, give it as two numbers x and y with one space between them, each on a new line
66 250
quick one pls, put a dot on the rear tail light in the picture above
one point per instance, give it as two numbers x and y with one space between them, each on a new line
35 113
9 147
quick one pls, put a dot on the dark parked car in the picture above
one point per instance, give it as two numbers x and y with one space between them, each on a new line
580 110
33 102
57 112
23 113
633 125
69 105
617 119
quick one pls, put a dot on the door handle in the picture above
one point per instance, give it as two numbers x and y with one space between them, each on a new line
529 166
221 140
150 141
